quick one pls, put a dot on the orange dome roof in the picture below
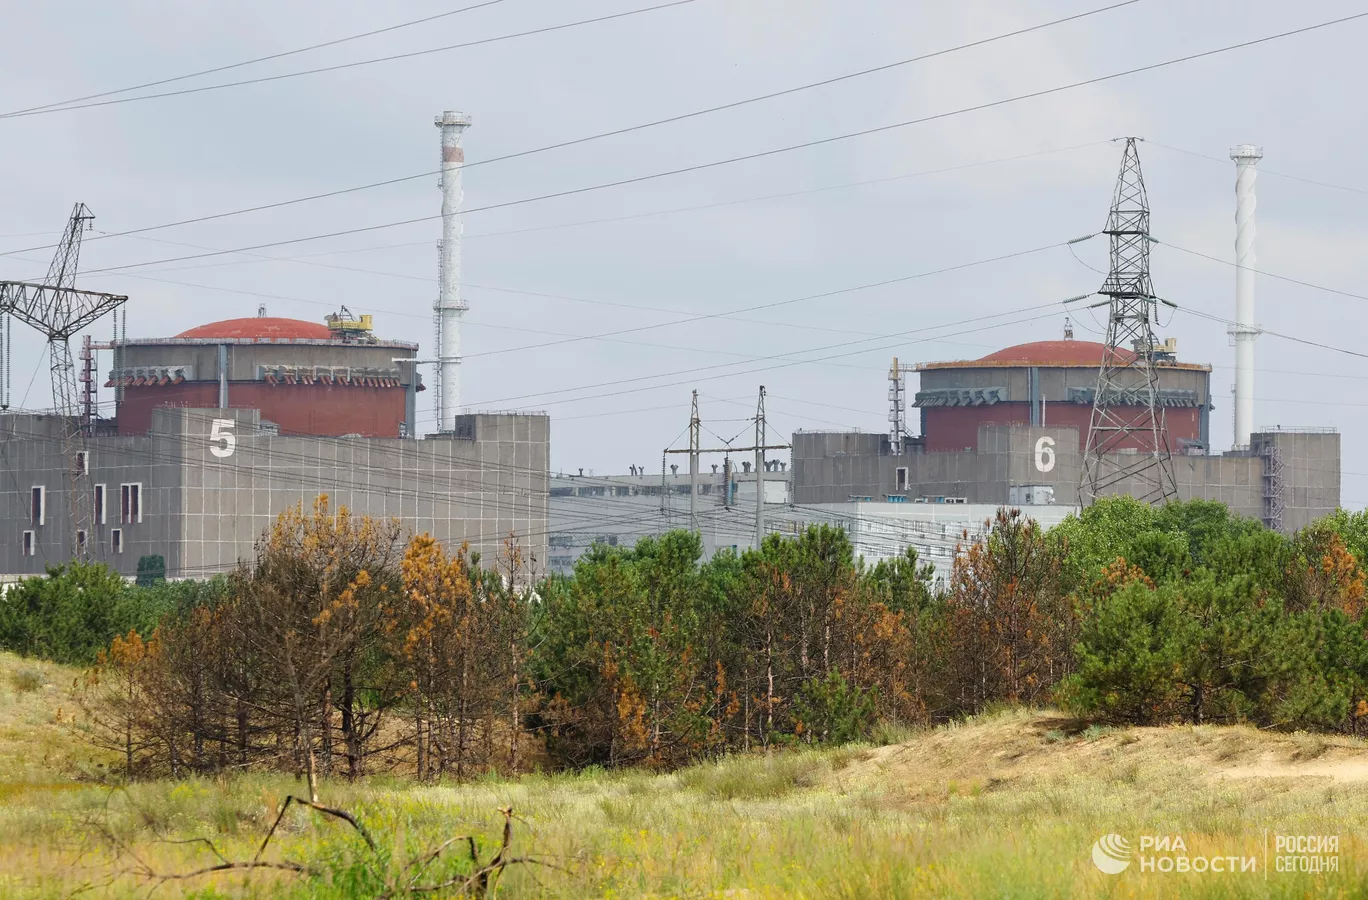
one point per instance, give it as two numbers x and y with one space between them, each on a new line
1054 353
260 328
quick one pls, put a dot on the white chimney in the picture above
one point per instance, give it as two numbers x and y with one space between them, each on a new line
450 307
1246 157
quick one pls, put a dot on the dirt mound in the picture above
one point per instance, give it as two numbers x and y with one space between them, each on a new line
988 752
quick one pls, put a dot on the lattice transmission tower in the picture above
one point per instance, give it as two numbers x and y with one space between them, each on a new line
1128 447
56 309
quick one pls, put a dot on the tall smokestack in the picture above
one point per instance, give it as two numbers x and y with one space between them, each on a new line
1246 157
450 306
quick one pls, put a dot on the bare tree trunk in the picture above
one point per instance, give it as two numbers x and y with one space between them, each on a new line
349 733
242 732
313 774
420 746
769 690
515 715
325 728
746 713
462 724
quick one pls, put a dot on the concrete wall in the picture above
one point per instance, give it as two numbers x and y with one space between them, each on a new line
834 467
203 511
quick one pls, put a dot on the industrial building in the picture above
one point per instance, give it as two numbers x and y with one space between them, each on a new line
1018 441
619 510
1052 425
320 378
217 430
179 476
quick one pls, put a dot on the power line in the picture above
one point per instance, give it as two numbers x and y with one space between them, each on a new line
247 62
730 160
1286 337
632 128
305 258
1262 170
785 365
351 65
1265 272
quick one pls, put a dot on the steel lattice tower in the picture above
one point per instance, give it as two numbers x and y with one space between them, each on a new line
57 309
1128 449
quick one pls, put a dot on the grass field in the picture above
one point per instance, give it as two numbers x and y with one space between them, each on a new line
1005 806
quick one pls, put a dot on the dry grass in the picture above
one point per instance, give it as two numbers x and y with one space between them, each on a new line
1007 806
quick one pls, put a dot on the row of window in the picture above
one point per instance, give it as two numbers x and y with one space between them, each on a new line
130 504
116 541
646 490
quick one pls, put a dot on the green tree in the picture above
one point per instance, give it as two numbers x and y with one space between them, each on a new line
833 711
151 569
1129 656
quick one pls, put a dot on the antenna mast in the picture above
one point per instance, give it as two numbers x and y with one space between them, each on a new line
1127 449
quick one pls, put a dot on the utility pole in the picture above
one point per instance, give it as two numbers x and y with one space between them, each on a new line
1128 412
695 432
695 452
760 469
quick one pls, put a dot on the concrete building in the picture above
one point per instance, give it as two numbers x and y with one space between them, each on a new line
198 483
1018 441
619 510
1049 383
332 378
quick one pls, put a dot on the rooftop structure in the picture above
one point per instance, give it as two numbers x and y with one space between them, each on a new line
306 378
1048 383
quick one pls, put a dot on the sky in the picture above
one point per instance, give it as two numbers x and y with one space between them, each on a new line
827 238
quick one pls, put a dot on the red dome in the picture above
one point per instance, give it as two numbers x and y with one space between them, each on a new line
260 328
1055 353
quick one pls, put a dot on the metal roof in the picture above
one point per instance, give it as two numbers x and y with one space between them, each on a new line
1050 354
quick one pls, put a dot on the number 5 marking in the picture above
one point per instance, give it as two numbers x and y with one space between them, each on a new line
222 441
1045 454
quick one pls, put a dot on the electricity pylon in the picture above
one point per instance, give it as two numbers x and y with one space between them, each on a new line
56 309
1128 448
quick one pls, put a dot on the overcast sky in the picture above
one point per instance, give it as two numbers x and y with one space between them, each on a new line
529 283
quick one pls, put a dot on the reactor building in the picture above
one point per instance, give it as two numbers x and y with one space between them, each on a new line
217 430
1024 426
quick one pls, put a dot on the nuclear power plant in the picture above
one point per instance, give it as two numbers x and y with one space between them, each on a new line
218 429
214 431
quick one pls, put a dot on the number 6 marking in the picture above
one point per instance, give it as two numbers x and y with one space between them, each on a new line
222 441
1045 454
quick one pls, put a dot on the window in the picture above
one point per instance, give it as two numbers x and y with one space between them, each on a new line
116 540
82 462
29 543
38 506
624 491
99 504
130 503
80 540
900 479
562 492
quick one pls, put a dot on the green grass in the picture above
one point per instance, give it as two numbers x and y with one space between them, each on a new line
1004 806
